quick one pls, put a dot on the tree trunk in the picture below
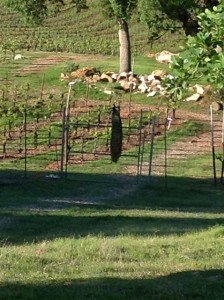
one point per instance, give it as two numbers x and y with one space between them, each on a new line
125 47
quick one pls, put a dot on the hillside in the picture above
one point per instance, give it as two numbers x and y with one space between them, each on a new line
85 32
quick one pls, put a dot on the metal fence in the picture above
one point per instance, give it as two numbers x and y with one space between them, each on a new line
79 146
180 147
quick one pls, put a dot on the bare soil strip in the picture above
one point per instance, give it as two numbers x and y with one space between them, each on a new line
41 64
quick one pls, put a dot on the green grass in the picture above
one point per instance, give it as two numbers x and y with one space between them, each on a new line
64 240
95 234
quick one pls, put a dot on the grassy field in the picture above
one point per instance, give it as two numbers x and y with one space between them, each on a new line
78 237
66 241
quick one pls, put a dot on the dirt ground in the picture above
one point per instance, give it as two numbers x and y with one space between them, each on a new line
190 146
41 64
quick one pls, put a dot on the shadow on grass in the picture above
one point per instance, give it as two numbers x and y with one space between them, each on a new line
175 193
186 285
36 227
34 210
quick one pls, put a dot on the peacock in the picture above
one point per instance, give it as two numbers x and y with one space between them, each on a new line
116 135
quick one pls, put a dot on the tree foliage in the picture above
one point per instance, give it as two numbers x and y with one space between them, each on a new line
118 8
203 55
35 11
160 16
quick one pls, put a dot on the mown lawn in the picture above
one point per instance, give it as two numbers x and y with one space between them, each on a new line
80 239
67 239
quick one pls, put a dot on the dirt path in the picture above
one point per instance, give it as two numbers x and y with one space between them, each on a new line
41 64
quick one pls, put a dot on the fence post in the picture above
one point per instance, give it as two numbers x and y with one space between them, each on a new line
25 143
139 167
66 141
151 146
63 141
222 169
213 144
165 150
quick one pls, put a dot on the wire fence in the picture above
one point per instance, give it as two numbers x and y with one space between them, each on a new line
78 145
180 148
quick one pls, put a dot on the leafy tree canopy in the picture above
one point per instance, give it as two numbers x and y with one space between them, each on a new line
203 55
35 11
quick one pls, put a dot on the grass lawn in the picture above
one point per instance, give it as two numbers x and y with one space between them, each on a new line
81 238
77 239
62 239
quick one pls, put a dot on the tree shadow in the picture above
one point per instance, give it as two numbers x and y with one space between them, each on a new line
35 227
186 285
178 194
48 208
